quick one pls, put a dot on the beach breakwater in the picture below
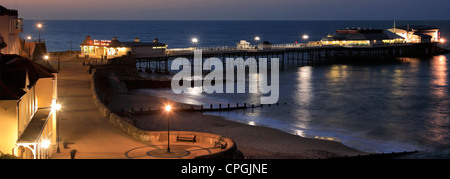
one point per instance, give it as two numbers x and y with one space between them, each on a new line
229 151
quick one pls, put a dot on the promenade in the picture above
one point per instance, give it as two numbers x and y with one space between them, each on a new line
92 135
81 124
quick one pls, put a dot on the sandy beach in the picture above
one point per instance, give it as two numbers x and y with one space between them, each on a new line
255 142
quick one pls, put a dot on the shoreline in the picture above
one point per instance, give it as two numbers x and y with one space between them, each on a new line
255 142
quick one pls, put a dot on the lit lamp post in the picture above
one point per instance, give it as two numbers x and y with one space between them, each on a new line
39 26
45 144
256 41
194 41
29 45
168 108
305 37
56 107
46 57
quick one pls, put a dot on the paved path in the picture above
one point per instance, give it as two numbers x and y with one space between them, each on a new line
92 135
86 130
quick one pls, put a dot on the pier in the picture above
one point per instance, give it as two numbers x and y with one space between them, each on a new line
299 53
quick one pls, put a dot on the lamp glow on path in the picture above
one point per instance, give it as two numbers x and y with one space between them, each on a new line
45 143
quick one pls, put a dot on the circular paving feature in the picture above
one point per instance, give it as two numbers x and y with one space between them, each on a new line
160 151
174 153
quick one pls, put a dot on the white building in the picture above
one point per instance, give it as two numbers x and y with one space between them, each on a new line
417 33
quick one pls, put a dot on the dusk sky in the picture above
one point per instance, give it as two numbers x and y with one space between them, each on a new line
231 9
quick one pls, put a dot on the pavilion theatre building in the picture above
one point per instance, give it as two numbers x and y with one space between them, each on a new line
107 49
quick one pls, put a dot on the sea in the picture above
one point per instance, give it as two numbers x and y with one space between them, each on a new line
396 106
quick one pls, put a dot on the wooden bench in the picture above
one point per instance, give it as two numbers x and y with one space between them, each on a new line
187 138
220 144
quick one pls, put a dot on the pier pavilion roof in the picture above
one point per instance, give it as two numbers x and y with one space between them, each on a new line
142 44
416 27
362 34
87 41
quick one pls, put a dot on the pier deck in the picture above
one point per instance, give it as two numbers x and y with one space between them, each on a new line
293 52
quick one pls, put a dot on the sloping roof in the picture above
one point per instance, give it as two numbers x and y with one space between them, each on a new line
362 35
416 27
142 44
423 36
34 128
87 41
10 12
13 74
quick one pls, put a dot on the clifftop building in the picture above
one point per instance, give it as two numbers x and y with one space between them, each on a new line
28 91
10 28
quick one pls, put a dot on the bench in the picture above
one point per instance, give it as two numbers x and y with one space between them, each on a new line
186 138
220 144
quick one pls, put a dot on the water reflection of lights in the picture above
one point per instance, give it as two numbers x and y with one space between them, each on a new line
338 72
195 90
300 133
439 91
439 74
303 97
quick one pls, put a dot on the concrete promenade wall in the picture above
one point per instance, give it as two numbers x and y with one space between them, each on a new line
161 136
100 106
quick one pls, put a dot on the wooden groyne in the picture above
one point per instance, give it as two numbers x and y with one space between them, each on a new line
393 155
188 108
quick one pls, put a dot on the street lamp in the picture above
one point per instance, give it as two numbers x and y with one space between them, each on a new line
56 107
39 26
168 108
46 57
257 40
194 41
29 45
305 37
45 143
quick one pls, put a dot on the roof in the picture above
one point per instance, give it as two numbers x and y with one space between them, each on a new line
32 132
423 36
116 43
87 41
13 75
365 34
141 44
10 12
416 27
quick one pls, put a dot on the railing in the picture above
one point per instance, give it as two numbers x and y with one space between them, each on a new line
312 44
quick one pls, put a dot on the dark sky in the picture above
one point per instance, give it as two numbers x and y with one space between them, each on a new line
231 9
